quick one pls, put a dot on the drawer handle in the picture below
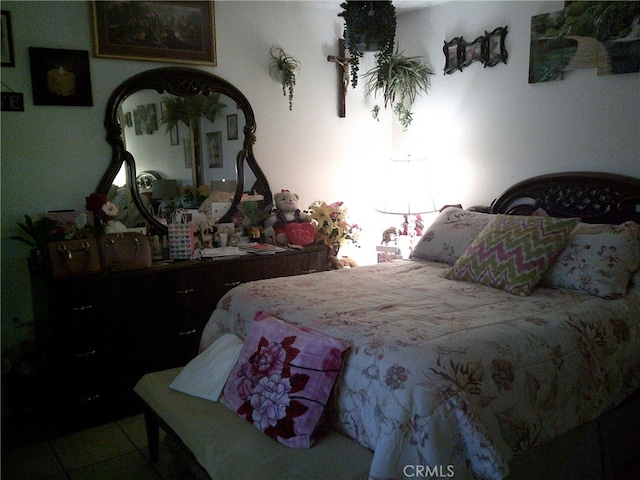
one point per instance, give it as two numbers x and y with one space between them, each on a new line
311 270
85 354
187 332
185 291
232 284
82 308
91 398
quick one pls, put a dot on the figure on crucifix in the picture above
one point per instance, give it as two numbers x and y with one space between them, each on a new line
342 62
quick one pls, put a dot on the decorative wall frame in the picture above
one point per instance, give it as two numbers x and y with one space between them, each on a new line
453 55
6 51
120 31
60 77
232 126
474 51
214 149
488 49
496 51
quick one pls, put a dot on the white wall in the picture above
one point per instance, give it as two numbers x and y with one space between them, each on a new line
486 127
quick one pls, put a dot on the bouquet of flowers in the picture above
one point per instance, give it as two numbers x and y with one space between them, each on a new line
330 222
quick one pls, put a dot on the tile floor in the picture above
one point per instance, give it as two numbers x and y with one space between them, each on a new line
112 451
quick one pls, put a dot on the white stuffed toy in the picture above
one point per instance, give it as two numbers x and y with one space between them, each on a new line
290 224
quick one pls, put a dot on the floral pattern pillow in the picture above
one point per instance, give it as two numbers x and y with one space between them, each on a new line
598 260
283 380
512 252
450 235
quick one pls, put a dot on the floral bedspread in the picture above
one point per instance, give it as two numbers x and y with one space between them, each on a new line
450 376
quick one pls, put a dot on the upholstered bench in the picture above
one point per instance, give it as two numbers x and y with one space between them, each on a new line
229 447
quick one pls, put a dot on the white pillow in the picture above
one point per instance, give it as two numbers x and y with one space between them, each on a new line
450 235
205 375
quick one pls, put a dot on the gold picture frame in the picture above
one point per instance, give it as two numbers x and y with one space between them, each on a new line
163 31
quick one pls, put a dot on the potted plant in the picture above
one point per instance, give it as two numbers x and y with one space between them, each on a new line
39 233
400 80
285 65
189 110
369 26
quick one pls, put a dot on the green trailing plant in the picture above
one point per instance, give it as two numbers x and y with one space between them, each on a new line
39 232
286 66
369 25
400 80
189 109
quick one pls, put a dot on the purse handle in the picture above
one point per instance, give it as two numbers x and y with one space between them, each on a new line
112 243
66 255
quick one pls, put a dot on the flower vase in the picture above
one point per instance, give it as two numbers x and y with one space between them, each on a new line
335 248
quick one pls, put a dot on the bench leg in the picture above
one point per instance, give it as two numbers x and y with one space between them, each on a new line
153 435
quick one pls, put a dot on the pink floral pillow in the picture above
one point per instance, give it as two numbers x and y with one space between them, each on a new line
283 380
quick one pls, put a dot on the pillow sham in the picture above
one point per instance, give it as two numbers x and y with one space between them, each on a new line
512 252
598 259
205 375
450 235
283 379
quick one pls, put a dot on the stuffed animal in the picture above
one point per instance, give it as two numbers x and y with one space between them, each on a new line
290 224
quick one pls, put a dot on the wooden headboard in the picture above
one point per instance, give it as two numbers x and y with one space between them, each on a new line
593 196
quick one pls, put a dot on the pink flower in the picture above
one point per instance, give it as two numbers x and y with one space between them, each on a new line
268 360
245 385
395 377
270 399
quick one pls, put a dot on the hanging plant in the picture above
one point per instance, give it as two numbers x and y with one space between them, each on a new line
400 79
369 26
189 110
285 65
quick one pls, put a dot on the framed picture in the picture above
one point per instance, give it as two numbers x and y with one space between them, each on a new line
214 149
474 51
6 52
181 32
186 145
453 55
60 77
494 43
232 126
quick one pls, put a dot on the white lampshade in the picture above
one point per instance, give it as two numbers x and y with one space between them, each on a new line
405 188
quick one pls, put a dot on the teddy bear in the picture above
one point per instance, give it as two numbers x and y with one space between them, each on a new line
289 223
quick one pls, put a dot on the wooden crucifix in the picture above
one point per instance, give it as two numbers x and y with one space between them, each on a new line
343 77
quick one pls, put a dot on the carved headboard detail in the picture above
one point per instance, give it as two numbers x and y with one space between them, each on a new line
593 196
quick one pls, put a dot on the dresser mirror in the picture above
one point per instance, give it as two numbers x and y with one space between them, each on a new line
178 136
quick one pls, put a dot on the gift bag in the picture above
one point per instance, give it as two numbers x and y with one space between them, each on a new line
181 238
74 258
120 252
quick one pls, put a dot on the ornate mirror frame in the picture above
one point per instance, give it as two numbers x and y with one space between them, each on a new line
182 82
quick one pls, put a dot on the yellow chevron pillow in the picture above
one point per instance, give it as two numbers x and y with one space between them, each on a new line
512 252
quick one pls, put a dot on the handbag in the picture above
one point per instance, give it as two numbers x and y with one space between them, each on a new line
74 258
120 252
181 237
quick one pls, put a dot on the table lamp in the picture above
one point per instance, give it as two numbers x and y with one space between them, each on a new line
406 192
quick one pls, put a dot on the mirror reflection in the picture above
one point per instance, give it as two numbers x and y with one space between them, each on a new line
185 159
181 137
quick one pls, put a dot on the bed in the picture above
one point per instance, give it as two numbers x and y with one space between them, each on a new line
462 376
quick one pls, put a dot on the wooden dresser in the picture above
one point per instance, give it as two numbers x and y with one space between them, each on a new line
100 334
